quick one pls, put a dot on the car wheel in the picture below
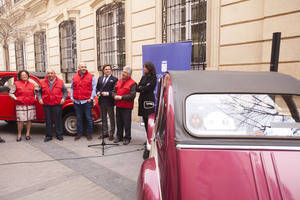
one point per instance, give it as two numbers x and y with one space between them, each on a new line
69 124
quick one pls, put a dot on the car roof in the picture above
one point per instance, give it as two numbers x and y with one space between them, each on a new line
185 83
233 82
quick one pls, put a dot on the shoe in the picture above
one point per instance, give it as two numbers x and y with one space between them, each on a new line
1 140
47 139
89 137
19 139
77 137
101 136
111 138
126 142
60 138
117 140
28 137
146 154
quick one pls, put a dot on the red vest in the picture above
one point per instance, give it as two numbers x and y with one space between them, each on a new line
54 96
82 86
24 93
123 88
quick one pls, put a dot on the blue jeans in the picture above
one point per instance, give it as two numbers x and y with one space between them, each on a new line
84 109
53 112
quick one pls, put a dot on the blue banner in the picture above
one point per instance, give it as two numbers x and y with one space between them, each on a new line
168 56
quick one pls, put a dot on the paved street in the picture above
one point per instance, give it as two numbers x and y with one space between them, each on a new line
67 169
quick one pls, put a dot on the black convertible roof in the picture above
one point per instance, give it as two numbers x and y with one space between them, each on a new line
185 83
234 82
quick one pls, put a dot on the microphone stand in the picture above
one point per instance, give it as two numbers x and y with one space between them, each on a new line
103 144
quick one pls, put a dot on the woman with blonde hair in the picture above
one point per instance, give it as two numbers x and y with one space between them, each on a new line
23 93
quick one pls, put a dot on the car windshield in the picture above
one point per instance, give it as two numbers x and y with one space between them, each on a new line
242 115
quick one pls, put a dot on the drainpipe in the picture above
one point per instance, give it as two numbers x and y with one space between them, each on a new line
275 52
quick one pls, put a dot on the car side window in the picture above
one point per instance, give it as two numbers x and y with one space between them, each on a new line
6 83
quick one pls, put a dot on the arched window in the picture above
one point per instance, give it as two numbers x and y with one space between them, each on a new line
111 36
19 53
186 20
40 51
68 49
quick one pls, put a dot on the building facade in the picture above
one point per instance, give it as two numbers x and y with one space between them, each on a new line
226 34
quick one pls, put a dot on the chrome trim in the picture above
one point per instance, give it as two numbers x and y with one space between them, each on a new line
199 146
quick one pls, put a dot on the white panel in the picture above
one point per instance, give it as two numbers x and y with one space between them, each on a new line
138 5
53 32
144 32
87 33
248 53
87 44
145 17
247 10
239 33
87 55
288 25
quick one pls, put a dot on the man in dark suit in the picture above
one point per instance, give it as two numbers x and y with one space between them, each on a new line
105 85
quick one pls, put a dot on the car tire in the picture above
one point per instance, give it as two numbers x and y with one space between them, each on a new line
69 124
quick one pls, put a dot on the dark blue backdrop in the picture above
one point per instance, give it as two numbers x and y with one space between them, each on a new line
168 56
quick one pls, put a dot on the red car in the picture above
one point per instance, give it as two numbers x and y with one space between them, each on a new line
8 111
223 135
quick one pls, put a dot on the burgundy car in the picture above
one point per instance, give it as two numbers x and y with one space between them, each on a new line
223 135
8 111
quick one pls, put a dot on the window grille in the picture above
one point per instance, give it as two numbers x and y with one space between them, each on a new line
68 49
111 37
19 54
2 8
40 51
184 20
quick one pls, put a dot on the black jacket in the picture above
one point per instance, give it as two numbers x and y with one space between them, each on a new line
107 87
146 89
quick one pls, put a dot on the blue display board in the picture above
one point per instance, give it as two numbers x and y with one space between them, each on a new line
168 56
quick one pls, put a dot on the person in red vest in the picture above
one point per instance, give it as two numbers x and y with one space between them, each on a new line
83 92
52 95
23 93
124 94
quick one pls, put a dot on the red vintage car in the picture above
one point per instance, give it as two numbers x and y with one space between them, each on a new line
223 135
8 111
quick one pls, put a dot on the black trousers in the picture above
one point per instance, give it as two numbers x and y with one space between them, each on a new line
145 119
110 111
53 112
123 116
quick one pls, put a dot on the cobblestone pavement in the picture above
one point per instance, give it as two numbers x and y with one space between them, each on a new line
68 169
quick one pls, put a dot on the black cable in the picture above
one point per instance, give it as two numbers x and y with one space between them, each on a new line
74 158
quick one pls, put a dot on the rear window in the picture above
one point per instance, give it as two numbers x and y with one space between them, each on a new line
242 115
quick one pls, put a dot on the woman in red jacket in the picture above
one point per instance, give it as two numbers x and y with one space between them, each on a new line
23 93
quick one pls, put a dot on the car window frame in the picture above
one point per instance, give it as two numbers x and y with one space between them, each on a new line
231 136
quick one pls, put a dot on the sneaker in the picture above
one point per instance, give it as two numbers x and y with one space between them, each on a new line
60 138
117 140
77 137
126 142
47 139
89 137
